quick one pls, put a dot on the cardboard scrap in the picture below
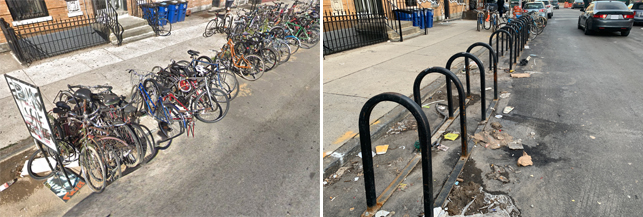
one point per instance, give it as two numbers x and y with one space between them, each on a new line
381 149
525 160
508 109
520 75
493 140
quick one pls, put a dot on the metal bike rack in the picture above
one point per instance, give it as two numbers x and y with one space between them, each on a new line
493 58
513 30
482 82
500 42
451 77
425 142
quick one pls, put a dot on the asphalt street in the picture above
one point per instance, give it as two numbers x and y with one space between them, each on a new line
261 160
583 103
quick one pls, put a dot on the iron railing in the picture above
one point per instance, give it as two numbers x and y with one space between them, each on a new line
348 30
39 40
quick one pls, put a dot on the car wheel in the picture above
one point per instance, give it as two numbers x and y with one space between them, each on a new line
579 27
625 33
587 31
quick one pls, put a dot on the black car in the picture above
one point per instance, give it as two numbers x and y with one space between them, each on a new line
606 16
578 4
637 8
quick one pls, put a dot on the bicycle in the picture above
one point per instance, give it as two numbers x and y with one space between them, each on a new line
219 78
248 67
220 23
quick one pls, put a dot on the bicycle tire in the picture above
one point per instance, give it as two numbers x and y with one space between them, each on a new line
311 38
203 63
112 163
41 175
270 58
148 144
293 43
93 169
211 28
479 21
278 32
164 27
284 52
174 125
205 104
227 82
486 23
256 70
131 151
150 86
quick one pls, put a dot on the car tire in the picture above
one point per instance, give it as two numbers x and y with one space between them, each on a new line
625 33
579 27
587 31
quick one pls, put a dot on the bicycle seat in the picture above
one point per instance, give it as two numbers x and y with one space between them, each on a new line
63 106
111 99
83 93
164 90
193 52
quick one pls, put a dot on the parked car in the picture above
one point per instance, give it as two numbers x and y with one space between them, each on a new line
637 8
606 16
538 7
578 4
548 7
555 4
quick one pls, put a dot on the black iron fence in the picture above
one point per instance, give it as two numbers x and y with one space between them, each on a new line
40 40
348 30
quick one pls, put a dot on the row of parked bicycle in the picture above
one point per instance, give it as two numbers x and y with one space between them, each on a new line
101 130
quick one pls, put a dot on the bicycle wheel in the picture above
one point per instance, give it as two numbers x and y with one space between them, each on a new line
173 123
211 108
203 66
227 82
211 28
251 67
146 139
49 153
293 43
149 96
164 27
270 58
278 32
284 52
112 161
93 169
227 24
130 149
479 22
310 38
486 21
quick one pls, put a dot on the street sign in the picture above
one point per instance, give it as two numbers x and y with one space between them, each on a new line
31 107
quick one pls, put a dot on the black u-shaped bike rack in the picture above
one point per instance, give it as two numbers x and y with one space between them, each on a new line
513 30
425 141
451 77
482 81
493 59
500 42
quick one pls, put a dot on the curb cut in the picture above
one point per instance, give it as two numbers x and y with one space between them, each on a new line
335 160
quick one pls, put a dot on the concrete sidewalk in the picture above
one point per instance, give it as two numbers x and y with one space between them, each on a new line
352 77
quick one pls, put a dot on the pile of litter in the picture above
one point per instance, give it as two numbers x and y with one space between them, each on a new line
470 200
402 126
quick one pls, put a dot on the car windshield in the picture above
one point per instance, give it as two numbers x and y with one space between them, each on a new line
534 6
610 6
545 2
578 1
638 7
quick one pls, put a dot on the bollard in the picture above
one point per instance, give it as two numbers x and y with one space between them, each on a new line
425 142
451 77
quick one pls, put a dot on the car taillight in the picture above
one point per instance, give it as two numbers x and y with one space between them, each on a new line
600 16
525 11
628 16
548 6
542 10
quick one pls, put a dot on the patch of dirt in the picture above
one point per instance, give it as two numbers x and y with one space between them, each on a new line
20 190
462 195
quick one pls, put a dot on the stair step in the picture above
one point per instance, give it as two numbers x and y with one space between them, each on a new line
405 31
130 22
134 34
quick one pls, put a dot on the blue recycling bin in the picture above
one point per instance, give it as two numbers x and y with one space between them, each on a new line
183 7
173 11
428 18
402 16
162 11
149 10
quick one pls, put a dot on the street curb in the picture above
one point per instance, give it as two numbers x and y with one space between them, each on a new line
335 160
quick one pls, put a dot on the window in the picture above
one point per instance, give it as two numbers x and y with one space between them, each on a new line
611 6
27 9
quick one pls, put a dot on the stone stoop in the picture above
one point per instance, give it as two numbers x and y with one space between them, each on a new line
408 31
135 28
